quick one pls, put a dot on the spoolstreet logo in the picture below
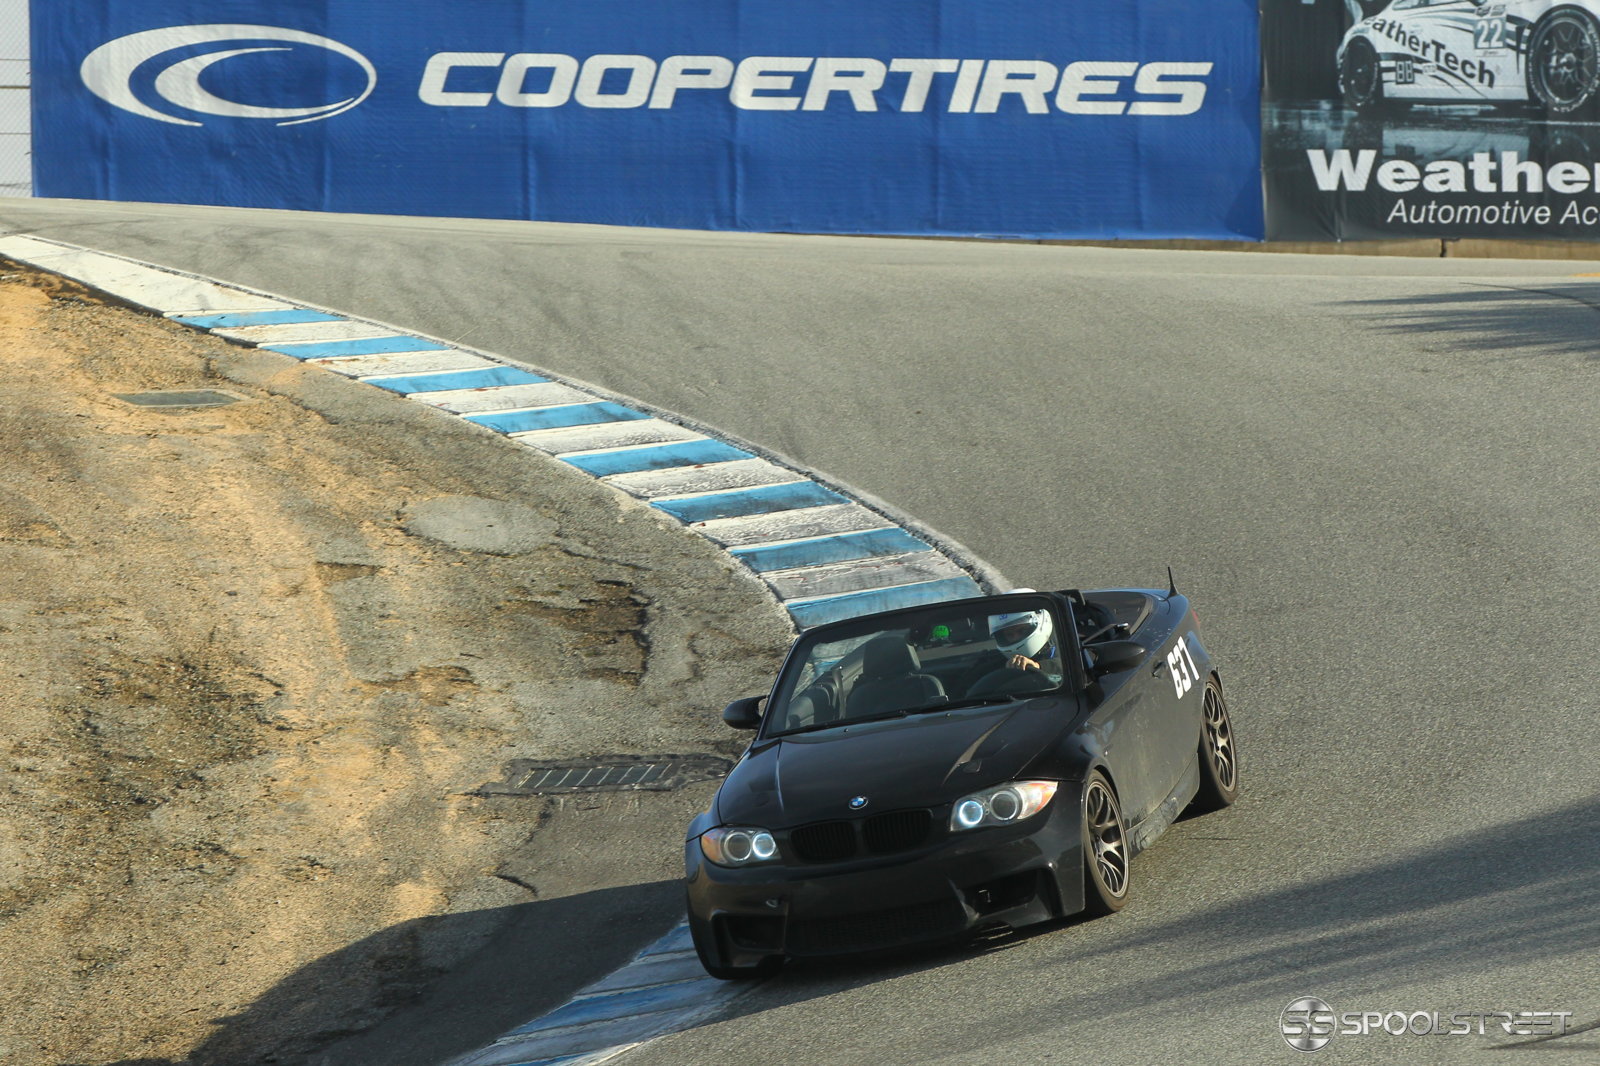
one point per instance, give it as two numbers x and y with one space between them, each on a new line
113 70
1309 1024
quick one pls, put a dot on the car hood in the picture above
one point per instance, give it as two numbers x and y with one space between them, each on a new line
918 761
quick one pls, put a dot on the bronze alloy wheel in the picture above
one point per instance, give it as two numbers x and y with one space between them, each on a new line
1217 753
1105 847
1219 741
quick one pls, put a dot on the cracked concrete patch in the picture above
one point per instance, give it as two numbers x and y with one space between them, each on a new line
474 524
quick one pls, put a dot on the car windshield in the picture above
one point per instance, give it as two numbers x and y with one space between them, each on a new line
940 656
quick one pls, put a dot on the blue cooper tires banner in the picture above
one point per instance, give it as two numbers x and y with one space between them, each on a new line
1138 118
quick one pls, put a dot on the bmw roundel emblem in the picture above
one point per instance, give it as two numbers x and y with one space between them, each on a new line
857 802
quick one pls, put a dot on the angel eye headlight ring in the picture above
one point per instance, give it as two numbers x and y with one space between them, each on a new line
1002 804
738 845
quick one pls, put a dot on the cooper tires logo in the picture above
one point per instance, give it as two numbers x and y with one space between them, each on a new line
113 71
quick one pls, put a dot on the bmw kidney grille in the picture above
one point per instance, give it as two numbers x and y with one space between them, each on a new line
882 834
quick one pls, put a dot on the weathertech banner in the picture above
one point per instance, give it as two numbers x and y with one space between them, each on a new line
1431 118
995 117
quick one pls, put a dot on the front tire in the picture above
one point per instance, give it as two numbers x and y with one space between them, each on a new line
1105 848
1361 77
1564 63
1218 755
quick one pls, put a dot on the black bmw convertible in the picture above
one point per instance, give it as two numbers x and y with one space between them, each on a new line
928 772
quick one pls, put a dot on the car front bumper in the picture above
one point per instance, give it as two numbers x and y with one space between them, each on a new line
1004 876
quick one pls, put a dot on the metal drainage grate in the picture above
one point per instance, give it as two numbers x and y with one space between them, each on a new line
179 398
608 773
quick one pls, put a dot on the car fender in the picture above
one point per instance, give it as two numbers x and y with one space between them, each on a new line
1079 754
1069 868
1361 30
693 859
699 824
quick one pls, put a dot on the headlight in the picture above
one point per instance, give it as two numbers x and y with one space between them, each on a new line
738 846
1002 805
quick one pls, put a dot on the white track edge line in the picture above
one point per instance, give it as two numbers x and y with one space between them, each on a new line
985 574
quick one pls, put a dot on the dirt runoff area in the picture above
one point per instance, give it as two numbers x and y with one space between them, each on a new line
258 660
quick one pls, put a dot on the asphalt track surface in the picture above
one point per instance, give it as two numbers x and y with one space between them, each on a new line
1377 479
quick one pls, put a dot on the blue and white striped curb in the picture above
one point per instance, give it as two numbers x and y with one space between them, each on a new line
825 554
663 990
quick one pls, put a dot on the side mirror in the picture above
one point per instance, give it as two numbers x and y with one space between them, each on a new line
745 713
1113 656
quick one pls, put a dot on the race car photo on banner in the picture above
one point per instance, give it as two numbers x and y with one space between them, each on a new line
1431 118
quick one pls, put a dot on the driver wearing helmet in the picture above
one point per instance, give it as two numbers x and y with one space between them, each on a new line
1028 640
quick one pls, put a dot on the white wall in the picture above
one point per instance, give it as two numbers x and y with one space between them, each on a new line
16 139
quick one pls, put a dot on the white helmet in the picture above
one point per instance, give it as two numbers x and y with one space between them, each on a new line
1022 632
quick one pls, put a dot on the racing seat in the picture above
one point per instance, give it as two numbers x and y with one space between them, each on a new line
891 680
813 707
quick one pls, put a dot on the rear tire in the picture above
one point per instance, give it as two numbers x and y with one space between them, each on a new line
1564 64
1105 848
1218 755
